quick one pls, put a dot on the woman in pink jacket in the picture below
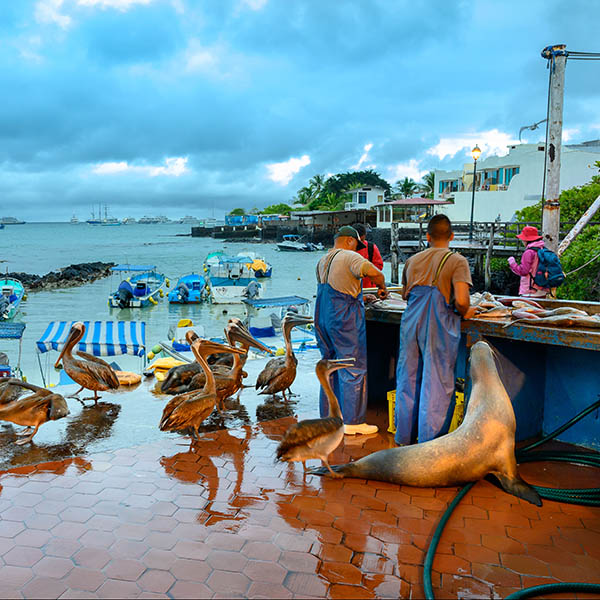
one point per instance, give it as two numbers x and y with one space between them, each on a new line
529 263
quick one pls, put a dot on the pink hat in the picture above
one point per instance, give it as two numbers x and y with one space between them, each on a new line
529 234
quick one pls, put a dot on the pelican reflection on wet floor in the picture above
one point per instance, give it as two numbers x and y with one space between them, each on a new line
190 409
89 371
279 373
317 438
32 411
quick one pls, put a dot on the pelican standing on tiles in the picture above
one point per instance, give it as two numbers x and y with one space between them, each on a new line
317 438
35 410
279 373
179 379
189 410
90 372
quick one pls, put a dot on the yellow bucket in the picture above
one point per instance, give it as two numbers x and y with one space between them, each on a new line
457 417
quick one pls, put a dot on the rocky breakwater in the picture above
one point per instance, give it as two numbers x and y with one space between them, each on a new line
71 276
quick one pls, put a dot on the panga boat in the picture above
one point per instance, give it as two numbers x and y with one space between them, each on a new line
190 289
231 279
294 243
139 290
12 292
259 265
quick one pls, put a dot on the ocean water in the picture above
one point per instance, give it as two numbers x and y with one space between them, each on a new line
43 247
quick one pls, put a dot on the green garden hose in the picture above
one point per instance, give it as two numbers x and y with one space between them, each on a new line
586 496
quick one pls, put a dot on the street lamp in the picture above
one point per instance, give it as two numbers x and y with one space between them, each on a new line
475 153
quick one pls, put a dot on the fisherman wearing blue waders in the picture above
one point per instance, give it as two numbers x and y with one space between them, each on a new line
340 324
436 285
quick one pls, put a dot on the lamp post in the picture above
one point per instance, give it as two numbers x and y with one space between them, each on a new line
475 153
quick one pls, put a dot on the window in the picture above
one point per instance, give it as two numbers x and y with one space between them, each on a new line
510 173
384 214
362 197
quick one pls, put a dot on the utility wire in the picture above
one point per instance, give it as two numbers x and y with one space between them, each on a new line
584 265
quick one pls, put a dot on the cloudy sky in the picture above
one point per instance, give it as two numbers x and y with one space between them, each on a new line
197 106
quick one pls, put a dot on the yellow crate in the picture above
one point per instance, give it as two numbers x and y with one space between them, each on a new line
457 417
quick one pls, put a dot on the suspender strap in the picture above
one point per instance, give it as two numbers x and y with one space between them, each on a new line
441 266
327 268
370 250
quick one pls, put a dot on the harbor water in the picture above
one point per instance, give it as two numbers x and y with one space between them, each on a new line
42 247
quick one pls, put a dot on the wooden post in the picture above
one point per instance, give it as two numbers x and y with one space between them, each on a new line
394 251
488 258
585 217
557 57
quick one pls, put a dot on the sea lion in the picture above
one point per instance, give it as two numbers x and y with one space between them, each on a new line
484 443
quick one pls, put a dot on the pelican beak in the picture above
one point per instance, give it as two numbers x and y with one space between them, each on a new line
335 364
71 338
295 320
206 347
191 337
242 335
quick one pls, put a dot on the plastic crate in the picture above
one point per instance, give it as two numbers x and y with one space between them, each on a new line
457 417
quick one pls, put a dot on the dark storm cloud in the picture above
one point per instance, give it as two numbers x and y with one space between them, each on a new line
232 89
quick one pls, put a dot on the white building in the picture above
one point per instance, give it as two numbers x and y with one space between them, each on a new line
407 211
364 197
505 184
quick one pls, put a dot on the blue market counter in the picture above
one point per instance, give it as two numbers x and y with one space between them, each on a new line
550 373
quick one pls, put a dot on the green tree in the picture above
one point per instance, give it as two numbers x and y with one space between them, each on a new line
277 209
238 212
407 187
428 185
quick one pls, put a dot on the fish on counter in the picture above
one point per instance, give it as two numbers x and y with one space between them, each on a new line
394 302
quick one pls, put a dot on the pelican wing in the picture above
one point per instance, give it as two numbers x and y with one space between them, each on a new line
97 369
179 376
274 368
305 432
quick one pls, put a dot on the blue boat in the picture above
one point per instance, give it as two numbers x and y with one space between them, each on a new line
12 292
190 289
259 265
139 290
231 278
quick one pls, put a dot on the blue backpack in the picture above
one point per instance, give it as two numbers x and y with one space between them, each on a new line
549 273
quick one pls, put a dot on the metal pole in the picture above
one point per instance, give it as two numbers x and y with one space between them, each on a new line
473 200
394 250
557 57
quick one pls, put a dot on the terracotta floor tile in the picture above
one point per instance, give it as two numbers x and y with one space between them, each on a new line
92 558
373 563
113 588
85 579
228 583
476 553
299 561
338 590
156 581
22 556
259 589
261 550
341 572
261 571
124 569
526 565
52 566
305 584
191 570
15 576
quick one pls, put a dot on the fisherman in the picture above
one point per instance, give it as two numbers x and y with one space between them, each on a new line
370 252
436 285
529 263
340 324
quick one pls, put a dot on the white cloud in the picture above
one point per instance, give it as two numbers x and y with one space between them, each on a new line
283 172
364 156
254 4
490 142
173 167
198 58
122 5
410 169
48 11
568 133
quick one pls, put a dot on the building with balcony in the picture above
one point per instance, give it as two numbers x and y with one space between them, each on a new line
505 184
407 210
364 197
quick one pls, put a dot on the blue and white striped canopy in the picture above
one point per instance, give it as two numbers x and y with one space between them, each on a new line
101 338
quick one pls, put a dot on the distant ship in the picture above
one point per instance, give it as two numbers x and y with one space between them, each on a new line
129 220
106 221
74 220
94 220
145 220
188 220
11 221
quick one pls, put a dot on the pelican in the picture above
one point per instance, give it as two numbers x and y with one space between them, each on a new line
90 372
279 373
317 438
189 410
35 410
178 378
9 392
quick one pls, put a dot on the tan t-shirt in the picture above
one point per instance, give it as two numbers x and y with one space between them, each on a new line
420 270
346 271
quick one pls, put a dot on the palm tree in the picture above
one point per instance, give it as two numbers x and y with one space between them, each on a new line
315 185
428 185
331 201
407 187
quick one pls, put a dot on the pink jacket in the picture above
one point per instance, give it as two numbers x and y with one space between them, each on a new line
527 268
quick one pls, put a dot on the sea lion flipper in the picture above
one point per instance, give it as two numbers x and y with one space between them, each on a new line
519 488
339 469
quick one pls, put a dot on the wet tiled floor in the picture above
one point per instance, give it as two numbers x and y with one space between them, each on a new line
224 520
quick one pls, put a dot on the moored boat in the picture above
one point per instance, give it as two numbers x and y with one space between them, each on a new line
259 265
294 243
139 290
190 289
12 292
230 278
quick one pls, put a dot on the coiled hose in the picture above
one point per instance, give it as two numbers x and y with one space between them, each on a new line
586 496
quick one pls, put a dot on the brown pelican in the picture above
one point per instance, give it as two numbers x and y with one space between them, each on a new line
90 372
178 378
279 373
10 391
35 410
189 410
317 438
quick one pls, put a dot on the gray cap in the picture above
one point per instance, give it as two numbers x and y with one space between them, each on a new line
347 231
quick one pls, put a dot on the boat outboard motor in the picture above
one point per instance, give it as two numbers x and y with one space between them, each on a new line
4 304
183 291
252 290
124 294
